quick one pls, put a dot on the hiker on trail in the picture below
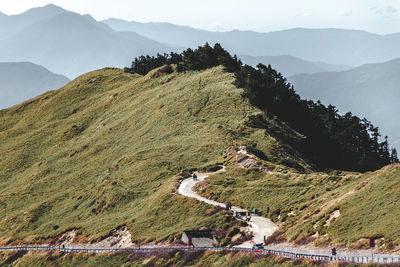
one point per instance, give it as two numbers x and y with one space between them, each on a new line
248 217
194 177
333 251
228 206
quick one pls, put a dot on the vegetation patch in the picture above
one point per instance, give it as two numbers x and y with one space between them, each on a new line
371 212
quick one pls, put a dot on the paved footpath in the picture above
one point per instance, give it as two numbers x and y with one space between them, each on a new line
261 226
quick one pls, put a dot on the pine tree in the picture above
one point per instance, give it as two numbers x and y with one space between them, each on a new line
393 156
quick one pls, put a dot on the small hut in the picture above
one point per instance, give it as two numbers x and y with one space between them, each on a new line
199 238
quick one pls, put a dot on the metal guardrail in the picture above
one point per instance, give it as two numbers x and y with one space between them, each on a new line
286 254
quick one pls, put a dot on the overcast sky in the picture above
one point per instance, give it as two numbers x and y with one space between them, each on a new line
379 16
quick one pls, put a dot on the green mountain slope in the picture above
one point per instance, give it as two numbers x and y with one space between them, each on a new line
103 151
328 139
108 150
289 65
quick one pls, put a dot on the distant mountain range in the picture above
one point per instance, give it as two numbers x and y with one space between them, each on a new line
371 91
333 46
72 44
289 65
22 81
12 24
68 43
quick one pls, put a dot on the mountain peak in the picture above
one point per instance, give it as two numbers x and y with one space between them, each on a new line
50 9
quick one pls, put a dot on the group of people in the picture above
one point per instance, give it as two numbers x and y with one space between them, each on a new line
228 206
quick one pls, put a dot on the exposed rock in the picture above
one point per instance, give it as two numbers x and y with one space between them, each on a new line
120 238
246 161
334 215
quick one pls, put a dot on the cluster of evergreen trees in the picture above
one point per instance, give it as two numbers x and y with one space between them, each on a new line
203 57
143 64
331 140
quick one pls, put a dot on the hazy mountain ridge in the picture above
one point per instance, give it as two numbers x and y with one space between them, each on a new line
71 44
14 23
370 91
50 35
333 46
289 65
163 32
24 80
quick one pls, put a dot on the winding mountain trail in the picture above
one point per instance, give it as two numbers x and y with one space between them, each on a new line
261 226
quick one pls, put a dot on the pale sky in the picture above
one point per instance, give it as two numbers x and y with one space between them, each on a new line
379 16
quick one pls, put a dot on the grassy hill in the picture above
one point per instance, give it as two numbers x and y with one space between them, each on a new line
107 150
104 151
